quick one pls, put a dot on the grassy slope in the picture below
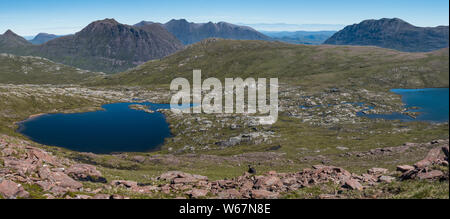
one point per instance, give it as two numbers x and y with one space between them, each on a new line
310 66
35 70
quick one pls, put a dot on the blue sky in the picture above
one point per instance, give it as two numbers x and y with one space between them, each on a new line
29 17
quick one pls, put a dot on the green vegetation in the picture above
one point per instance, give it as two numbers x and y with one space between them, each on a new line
314 67
36 70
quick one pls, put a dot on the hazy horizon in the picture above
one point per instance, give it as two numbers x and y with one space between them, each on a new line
28 18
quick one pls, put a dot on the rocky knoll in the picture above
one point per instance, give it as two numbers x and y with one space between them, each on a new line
23 166
11 42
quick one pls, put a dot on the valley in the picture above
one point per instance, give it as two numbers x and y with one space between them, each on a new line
319 148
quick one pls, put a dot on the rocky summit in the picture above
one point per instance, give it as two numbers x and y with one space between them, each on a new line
393 34
10 41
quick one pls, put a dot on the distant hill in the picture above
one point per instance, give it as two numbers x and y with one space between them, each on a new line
36 70
300 37
43 38
393 34
105 46
308 66
11 42
190 33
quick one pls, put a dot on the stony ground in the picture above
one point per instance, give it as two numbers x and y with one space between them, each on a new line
30 172
311 152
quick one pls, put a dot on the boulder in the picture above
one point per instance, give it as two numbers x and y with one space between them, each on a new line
184 180
263 194
434 174
8 152
230 194
101 196
125 183
430 159
169 176
23 167
139 159
377 171
445 150
353 184
85 172
197 193
42 156
65 181
386 179
59 179
268 181
12 190
405 168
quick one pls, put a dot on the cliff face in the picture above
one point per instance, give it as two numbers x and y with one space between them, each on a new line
393 34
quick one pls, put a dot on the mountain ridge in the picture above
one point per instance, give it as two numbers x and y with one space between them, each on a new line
393 34
104 45
190 32
42 38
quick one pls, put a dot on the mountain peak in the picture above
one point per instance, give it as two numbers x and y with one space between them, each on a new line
190 33
100 25
179 20
45 34
13 37
144 23
107 21
109 46
10 33
43 38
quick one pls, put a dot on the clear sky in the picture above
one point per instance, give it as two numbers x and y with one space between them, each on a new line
29 17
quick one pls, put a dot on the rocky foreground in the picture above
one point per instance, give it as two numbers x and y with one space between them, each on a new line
26 169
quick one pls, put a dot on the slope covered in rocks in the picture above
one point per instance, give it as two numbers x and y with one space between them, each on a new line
27 171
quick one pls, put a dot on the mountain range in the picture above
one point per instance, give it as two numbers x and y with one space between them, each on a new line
9 41
104 45
111 47
393 34
190 33
42 38
300 37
